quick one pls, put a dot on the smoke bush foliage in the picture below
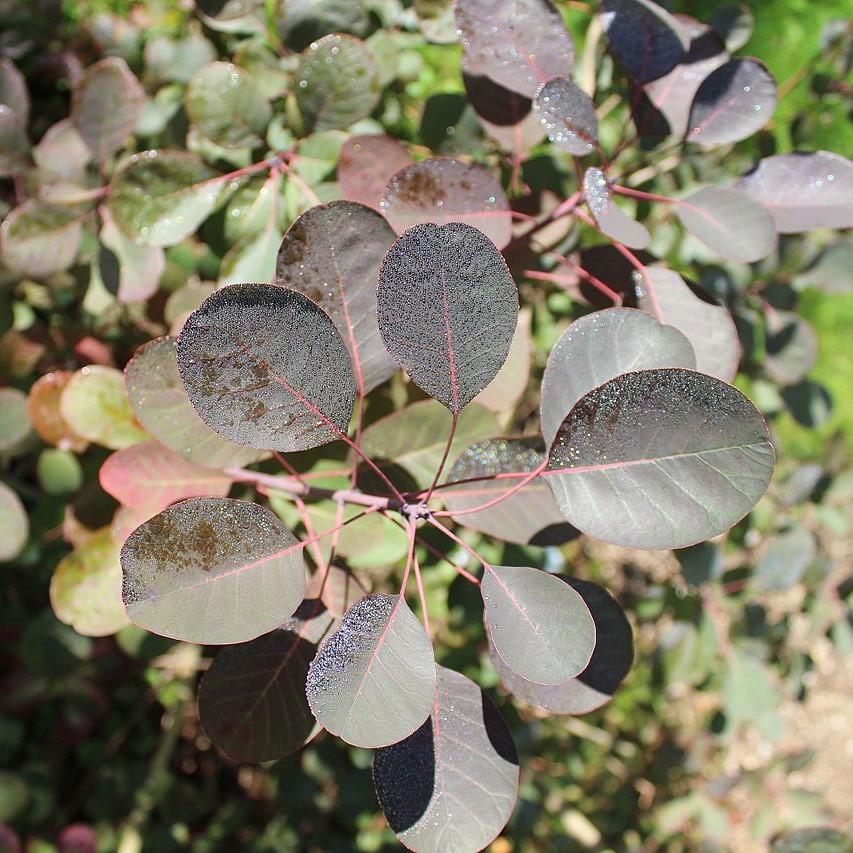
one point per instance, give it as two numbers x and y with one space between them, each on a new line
406 256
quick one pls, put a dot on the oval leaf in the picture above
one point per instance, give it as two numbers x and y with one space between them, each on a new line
733 102
160 402
452 785
518 43
791 348
139 267
266 368
610 219
448 309
43 409
373 680
14 144
224 102
332 254
540 626
13 91
105 106
38 240
602 346
660 459
729 222
444 190
803 191
610 662
212 570
568 114
366 165
14 524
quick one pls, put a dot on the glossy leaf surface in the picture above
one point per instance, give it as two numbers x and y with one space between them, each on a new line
212 570
568 114
266 368
448 309
332 254
452 785
660 459
373 680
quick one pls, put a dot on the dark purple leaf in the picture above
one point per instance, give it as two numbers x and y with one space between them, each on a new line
568 114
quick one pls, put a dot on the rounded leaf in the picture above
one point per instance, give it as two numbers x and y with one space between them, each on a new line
139 267
568 114
601 346
14 143
13 91
610 219
15 426
14 524
266 368
38 240
660 459
212 570
791 348
539 625
452 785
448 310
332 254
444 190
373 680
43 408
366 165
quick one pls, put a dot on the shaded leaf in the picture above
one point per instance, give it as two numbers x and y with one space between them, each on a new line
62 153
337 588
160 402
448 309
540 626
452 785
568 114
139 267
707 325
660 459
212 570
832 272
13 91
15 426
178 60
152 476
646 39
530 516
734 22
734 101
94 404
366 165
373 680
813 839
160 197
600 347
14 524
38 240
701 563
803 191
85 590
14 144
105 106
610 662
791 348
610 219
332 254
266 368
43 408
338 82
518 43
729 222
305 21
413 438
785 561
443 190
507 388
223 101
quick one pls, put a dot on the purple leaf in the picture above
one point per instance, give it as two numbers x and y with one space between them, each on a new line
568 114
366 165
610 219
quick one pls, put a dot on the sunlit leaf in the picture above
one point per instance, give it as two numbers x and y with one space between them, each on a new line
803 191
610 219
43 408
226 104
705 323
160 197
610 662
529 516
444 190
338 82
646 39
508 387
160 402
62 153
14 524
729 222
448 309
178 60
152 476
366 165
540 626
337 588
14 144
734 22
733 102
355 684
602 346
94 404
105 106
660 459
436 19
266 368
38 240
791 348
832 270
139 267
13 91
452 785
785 561
518 43
15 426
332 254
85 590
212 570
568 114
